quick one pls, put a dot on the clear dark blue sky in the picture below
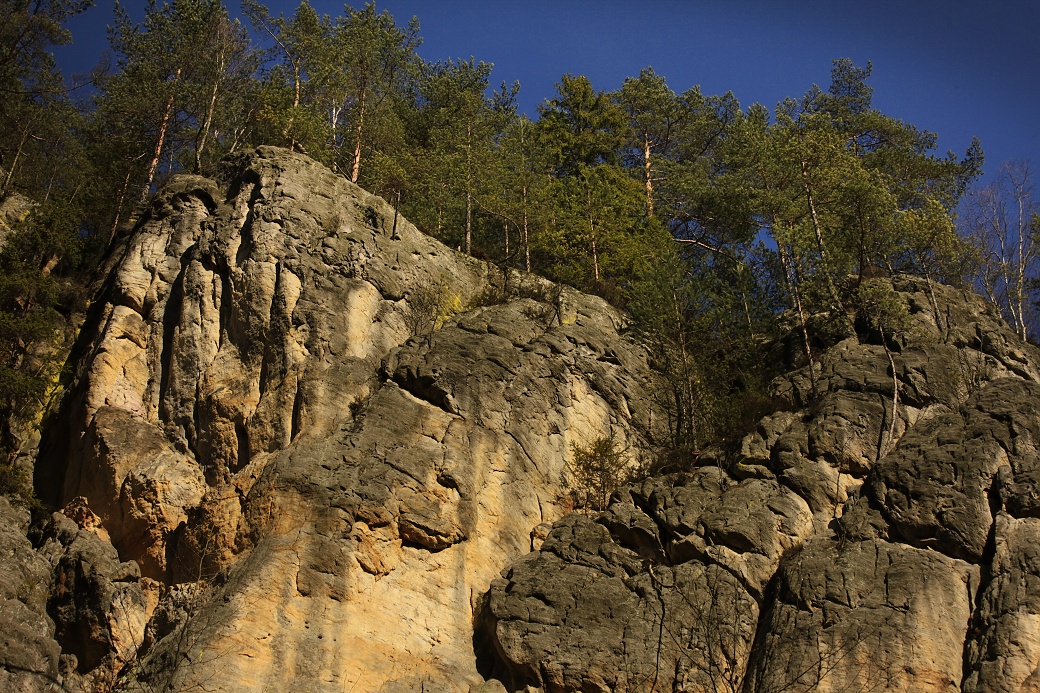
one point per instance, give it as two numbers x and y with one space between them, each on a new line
955 67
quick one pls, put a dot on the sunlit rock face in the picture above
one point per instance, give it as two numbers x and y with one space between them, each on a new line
323 434
306 447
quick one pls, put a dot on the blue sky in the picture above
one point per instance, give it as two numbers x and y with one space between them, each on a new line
954 67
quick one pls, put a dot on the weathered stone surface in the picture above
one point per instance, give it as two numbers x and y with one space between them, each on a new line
866 616
884 531
1003 652
937 489
28 652
586 614
585 611
307 447
336 428
138 484
407 512
99 604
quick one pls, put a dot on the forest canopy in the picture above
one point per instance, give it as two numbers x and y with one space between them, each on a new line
705 220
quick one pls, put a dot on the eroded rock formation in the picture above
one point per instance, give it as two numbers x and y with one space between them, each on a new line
859 542
306 447
332 428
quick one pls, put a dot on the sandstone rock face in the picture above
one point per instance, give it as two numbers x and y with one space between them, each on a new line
860 542
100 605
308 448
320 434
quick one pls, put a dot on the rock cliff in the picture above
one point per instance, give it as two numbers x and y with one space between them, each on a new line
307 447
859 542
317 432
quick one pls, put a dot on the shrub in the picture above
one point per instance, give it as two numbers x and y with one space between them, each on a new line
597 470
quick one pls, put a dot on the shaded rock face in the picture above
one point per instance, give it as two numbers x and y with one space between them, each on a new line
860 542
29 655
319 433
71 613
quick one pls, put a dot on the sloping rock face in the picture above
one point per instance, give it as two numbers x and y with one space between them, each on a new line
863 541
320 435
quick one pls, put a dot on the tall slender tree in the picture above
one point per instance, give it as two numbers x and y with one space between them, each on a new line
1001 220
377 56
295 96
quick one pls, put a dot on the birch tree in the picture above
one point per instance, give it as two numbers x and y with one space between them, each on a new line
1001 220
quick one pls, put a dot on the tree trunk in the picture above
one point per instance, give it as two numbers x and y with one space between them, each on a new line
1022 260
523 201
469 192
159 142
527 241
200 141
14 161
791 274
120 199
887 446
686 427
647 170
355 170
818 230
287 132
595 260
592 230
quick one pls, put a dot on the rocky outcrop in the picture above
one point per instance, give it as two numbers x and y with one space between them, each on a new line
70 607
29 655
99 604
316 431
860 542
306 447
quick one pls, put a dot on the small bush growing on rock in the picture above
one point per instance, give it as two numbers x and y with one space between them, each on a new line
496 292
881 309
430 306
597 470
973 370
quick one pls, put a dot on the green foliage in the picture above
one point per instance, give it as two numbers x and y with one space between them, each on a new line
16 484
596 232
430 305
581 127
597 470
842 189
657 200
33 298
882 309
704 318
